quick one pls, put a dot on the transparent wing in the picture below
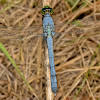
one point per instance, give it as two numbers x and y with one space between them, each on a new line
14 36
13 31
20 33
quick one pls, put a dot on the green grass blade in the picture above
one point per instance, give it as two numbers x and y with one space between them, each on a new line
82 85
75 4
70 1
15 66
8 7
3 2
13 63
94 56
77 23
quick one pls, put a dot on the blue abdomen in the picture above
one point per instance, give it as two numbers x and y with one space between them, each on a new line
52 65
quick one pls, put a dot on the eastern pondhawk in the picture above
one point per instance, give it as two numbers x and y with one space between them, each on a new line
14 35
48 30
20 34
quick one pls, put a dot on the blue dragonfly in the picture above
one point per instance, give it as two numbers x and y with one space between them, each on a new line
48 30
48 33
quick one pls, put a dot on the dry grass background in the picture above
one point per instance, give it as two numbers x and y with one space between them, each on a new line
76 50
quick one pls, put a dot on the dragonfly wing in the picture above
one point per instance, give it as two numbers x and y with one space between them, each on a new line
13 37
16 30
11 31
28 29
12 34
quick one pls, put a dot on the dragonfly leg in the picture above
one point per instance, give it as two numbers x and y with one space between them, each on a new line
45 34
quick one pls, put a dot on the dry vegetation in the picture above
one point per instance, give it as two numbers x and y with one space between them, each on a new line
76 50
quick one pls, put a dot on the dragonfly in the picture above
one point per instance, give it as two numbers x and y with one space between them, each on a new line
48 30
48 34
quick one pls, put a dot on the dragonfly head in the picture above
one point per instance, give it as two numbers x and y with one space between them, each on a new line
47 9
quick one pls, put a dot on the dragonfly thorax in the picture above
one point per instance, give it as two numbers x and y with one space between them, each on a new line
48 30
48 25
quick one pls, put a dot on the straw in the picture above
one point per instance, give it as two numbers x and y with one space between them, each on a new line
46 2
